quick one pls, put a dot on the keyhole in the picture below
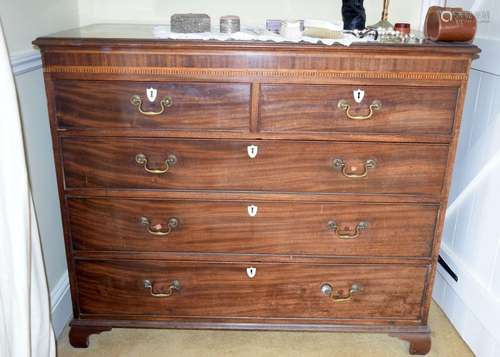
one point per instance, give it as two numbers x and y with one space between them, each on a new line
252 151
359 95
252 210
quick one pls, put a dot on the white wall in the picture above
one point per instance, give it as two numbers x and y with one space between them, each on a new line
471 240
253 12
23 21
42 174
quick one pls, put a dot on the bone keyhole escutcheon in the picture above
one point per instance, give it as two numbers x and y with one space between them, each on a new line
252 210
252 151
359 95
151 93
251 271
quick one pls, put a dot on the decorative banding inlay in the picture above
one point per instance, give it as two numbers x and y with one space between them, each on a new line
254 73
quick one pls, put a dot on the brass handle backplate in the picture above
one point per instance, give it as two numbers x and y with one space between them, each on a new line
340 296
174 286
164 103
142 160
340 164
346 107
347 234
158 230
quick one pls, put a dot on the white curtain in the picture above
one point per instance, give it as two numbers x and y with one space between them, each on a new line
25 328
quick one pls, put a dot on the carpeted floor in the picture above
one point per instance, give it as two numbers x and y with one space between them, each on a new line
183 343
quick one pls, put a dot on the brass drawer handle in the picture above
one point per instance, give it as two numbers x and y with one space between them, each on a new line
174 286
347 234
164 103
340 164
142 160
346 107
339 296
158 230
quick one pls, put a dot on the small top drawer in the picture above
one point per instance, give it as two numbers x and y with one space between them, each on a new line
357 109
152 105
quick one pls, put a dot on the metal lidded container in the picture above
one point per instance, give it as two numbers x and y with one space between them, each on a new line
229 24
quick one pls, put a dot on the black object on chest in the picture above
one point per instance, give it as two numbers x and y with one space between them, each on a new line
353 14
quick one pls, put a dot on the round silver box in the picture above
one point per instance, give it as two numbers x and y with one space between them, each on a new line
229 24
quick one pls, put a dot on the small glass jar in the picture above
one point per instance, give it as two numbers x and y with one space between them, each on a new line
291 30
229 24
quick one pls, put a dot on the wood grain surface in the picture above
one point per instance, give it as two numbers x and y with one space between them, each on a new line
195 106
294 228
279 166
225 290
313 108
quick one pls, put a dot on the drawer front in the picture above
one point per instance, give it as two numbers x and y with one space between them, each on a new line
277 166
210 290
276 228
315 108
192 106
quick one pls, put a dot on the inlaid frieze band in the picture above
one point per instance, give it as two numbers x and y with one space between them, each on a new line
217 73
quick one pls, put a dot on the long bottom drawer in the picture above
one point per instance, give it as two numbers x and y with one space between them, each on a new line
254 290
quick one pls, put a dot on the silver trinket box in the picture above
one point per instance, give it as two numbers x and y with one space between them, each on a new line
190 23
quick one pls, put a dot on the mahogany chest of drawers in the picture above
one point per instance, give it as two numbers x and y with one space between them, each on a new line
229 185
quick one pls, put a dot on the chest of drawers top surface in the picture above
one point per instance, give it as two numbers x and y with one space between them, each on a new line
252 185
